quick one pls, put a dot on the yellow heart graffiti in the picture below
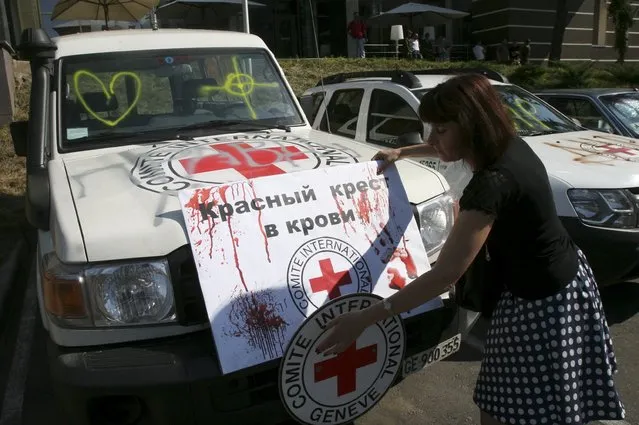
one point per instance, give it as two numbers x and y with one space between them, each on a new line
108 93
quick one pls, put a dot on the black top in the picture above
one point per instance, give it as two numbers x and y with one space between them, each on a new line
528 246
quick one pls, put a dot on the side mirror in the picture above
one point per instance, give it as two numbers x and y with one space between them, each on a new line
19 131
410 139
576 121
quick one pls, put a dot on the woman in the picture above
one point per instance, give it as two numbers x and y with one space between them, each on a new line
548 356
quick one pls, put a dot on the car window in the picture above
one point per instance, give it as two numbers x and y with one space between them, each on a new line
529 114
342 111
582 109
390 116
136 94
625 107
311 104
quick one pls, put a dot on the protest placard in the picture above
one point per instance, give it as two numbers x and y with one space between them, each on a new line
270 251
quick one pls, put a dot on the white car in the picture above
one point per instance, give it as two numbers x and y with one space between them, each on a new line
120 121
594 175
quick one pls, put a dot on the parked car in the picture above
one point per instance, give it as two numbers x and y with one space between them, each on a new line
594 175
613 110
104 166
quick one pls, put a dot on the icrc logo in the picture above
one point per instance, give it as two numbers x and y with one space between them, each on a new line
208 162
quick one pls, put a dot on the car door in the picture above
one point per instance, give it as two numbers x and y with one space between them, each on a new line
312 104
389 114
340 116
584 110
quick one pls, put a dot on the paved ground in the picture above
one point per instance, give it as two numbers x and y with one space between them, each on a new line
438 395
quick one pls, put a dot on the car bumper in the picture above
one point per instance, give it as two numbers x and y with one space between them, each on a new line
178 380
612 254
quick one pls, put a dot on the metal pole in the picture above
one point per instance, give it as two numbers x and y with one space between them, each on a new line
245 15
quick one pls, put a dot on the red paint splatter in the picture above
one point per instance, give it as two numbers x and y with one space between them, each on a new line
397 281
407 259
256 316
259 221
341 213
222 192
364 207
201 196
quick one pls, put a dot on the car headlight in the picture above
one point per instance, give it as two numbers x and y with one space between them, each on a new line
604 208
435 221
115 294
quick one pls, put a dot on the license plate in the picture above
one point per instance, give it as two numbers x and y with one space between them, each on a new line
419 361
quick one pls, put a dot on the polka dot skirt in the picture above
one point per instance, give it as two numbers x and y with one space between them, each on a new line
550 361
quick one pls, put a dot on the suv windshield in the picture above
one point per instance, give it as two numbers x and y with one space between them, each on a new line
530 116
625 106
120 98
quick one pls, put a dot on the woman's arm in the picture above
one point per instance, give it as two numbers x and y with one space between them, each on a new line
466 239
423 149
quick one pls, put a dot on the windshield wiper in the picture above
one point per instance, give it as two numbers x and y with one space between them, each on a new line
539 133
114 135
229 123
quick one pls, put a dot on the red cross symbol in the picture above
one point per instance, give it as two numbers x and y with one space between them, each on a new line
330 280
344 366
249 161
617 149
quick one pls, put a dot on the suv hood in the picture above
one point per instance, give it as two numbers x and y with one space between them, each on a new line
126 197
589 159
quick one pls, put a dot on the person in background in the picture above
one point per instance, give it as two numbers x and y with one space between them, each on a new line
357 31
548 356
514 53
524 52
503 52
407 44
427 47
414 46
479 51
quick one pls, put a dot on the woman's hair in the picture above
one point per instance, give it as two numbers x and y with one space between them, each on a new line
471 101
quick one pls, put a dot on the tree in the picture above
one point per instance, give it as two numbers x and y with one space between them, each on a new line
561 20
621 13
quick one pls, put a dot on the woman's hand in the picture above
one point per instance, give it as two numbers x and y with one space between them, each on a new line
388 157
343 331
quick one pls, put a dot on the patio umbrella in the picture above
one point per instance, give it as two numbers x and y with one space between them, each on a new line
117 10
182 8
417 15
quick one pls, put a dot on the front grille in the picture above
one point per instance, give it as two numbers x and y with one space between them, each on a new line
189 301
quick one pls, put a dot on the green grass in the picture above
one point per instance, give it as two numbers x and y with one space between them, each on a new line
301 74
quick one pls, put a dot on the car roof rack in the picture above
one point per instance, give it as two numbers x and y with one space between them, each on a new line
409 79
488 73
398 76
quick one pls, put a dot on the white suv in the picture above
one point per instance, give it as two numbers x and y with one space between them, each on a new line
120 121
594 175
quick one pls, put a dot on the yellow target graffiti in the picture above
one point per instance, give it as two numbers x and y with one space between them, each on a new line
527 115
109 92
238 84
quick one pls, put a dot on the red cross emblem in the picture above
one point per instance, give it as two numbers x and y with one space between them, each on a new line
330 280
612 149
344 366
249 161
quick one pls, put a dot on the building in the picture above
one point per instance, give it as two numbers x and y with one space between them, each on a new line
589 32
16 15
288 26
